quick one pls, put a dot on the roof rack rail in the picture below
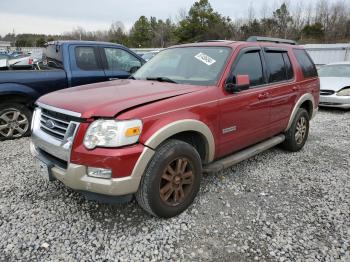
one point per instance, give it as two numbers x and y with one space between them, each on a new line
271 39
215 40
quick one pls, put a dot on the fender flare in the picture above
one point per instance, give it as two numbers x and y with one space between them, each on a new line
8 89
167 131
302 99
182 126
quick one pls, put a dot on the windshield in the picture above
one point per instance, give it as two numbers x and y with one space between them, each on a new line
334 71
186 65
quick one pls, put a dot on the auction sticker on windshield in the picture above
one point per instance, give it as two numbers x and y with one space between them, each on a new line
205 58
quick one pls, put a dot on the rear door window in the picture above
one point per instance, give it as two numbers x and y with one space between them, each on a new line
86 58
279 65
250 64
307 66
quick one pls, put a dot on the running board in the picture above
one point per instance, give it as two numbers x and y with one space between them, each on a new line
243 154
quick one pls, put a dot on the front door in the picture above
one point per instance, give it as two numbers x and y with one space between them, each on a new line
245 116
86 67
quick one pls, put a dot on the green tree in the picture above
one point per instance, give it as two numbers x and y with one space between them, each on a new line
116 34
202 23
268 26
40 42
24 41
313 31
141 33
283 19
251 28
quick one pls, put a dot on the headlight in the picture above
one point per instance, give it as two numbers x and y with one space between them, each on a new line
112 133
344 92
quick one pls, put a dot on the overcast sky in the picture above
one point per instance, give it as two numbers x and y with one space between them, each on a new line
55 17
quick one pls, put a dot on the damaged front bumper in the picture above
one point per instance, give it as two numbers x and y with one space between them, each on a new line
54 157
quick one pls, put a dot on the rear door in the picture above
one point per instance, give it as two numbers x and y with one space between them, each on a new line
245 116
86 65
119 63
283 90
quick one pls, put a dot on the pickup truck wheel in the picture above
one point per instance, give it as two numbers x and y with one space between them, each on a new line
14 121
298 132
171 181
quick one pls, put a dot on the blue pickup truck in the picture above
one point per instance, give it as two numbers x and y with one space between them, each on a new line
65 64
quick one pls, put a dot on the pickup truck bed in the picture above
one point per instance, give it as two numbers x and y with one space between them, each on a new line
32 83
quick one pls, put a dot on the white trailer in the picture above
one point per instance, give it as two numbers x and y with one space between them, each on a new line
328 53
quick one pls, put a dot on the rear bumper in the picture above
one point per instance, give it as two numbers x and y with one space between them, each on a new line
335 101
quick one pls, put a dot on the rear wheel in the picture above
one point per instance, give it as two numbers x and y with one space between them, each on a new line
14 121
298 132
171 181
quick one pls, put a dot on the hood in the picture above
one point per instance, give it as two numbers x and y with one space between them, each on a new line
334 83
107 99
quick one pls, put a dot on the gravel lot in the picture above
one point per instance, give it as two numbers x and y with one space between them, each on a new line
277 206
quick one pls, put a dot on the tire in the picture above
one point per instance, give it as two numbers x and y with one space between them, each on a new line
300 125
15 121
160 191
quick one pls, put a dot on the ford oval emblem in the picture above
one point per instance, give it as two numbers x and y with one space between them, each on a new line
50 124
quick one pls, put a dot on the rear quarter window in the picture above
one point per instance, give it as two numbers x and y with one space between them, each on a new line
306 64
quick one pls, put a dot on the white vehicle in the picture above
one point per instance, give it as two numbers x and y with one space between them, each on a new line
3 61
21 61
335 85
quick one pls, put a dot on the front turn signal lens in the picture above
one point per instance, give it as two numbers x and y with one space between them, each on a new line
133 131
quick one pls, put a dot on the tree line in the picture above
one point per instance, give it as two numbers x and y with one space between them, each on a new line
322 22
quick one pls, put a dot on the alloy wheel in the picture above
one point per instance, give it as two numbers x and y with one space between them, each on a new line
13 123
301 128
176 182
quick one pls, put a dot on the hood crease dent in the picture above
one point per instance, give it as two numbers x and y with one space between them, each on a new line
109 99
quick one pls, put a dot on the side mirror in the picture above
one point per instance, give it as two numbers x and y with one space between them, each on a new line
242 82
134 69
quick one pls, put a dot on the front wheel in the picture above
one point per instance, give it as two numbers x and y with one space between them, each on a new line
298 132
14 121
171 181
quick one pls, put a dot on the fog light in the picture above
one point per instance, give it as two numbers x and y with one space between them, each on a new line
99 172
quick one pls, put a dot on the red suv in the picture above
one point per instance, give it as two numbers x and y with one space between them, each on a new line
193 108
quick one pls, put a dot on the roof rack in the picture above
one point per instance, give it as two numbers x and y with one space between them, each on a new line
217 40
271 39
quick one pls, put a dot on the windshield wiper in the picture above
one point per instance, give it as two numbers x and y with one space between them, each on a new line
161 79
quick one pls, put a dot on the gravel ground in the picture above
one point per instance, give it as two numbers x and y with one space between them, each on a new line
277 206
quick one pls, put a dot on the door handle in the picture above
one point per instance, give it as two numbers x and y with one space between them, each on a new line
295 88
113 78
262 96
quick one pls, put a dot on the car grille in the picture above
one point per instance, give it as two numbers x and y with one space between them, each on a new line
56 124
326 92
